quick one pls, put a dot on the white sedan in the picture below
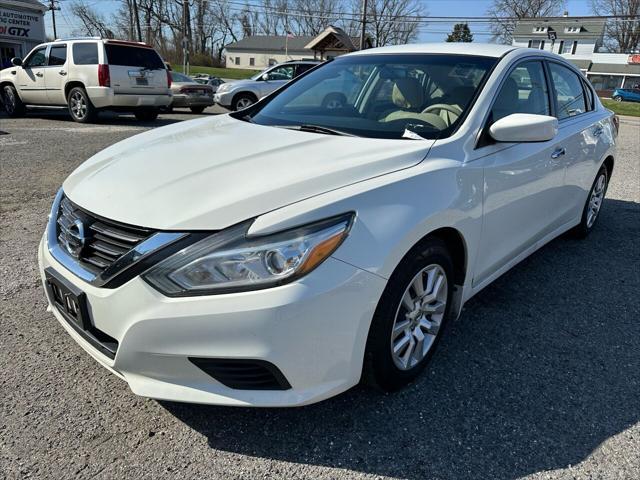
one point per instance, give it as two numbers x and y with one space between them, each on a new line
298 247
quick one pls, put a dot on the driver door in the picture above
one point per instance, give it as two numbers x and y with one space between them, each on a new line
276 78
31 81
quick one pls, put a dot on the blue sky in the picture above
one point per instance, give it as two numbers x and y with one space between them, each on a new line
433 32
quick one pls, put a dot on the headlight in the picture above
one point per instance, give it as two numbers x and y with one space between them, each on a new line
224 87
229 261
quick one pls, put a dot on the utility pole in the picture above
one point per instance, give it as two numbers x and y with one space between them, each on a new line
364 23
53 8
137 17
185 42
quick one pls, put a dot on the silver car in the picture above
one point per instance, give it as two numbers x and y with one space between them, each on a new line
187 93
242 93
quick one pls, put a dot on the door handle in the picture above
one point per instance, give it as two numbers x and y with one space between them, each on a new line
557 153
38 74
62 72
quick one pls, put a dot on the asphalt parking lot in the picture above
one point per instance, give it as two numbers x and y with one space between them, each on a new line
539 378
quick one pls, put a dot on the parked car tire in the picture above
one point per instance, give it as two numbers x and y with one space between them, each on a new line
617 98
197 109
12 103
146 114
242 101
593 205
395 329
80 107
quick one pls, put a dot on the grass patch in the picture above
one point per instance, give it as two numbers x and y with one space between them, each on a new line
622 108
235 73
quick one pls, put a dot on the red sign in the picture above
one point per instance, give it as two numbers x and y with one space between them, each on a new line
634 59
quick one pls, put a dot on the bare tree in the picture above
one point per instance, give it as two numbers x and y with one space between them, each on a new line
93 23
506 13
622 35
392 22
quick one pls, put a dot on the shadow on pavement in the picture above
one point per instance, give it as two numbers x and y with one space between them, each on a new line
541 368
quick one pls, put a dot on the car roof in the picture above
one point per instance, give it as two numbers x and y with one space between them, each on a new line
454 48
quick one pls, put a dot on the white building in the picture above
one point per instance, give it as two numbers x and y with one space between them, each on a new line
257 52
579 40
21 28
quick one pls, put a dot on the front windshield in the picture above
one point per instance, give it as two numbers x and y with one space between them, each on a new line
381 96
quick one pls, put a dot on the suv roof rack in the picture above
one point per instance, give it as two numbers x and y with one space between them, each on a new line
66 39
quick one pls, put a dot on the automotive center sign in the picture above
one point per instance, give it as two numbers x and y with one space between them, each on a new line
21 25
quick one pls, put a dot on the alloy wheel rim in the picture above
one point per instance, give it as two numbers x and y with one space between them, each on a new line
78 105
419 317
244 103
595 200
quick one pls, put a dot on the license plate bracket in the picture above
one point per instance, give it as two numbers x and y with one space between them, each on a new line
67 299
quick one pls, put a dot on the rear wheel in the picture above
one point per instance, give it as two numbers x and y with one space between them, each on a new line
243 101
146 114
591 211
197 109
12 103
410 317
80 107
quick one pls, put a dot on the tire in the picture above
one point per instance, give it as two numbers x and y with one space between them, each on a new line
197 109
593 205
333 101
80 107
617 98
242 101
146 114
12 103
381 367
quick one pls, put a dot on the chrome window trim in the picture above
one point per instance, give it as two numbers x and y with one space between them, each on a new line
145 248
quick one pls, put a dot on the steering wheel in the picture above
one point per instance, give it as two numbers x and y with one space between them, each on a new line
456 110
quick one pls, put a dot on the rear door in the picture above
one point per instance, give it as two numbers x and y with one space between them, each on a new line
31 77
135 69
55 74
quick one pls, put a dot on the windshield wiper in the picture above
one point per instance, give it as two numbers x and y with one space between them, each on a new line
306 127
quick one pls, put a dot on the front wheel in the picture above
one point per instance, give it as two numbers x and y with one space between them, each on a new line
410 317
80 107
146 114
591 211
617 98
12 103
242 101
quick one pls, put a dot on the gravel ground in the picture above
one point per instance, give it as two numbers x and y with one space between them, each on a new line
539 378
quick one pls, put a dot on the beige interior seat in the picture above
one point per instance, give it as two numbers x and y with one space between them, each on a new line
408 95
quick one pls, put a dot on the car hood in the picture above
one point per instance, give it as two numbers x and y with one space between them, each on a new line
213 172
239 83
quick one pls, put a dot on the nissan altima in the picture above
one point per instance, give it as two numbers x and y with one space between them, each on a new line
301 246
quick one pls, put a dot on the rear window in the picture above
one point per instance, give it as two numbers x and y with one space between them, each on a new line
85 53
133 57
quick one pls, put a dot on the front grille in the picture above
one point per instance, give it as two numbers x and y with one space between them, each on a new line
96 243
243 374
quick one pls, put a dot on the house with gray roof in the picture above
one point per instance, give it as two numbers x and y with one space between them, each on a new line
579 40
260 51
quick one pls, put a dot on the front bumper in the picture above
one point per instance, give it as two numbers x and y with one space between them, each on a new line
313 330
224 99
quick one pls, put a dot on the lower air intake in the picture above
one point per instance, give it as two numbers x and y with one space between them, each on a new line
243 374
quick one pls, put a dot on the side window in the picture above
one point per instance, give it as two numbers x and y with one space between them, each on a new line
58 55
36 59
524 91
570 98
588 95
85 53
281 73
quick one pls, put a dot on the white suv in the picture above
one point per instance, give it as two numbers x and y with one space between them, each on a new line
88 75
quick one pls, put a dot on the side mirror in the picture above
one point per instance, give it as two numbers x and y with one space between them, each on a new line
16 62
524 127
265 77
